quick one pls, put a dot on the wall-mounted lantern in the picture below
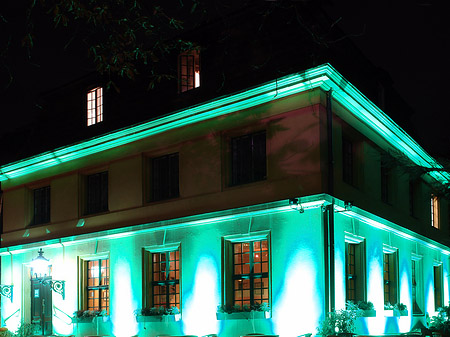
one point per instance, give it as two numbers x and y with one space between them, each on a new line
41 269
7 291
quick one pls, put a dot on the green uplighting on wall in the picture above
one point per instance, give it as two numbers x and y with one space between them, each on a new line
324 77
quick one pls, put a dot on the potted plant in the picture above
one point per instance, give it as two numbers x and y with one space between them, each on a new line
158 314
87 316
256 311
368 310
340 322
400 309
440 324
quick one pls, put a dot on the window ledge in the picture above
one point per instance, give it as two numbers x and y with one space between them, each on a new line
395 313
369 313
243 315
159 318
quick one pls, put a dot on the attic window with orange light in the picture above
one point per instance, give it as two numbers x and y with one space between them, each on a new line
95 106
188 70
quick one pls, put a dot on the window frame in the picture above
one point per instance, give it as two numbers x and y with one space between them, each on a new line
256 159
228 275
46 216
192 73
438 291
391 289
435 212
147 280
94 99
89 201
358 244
83 290
417 293
150 178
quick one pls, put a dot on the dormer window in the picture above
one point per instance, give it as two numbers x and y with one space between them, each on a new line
188 70
95 106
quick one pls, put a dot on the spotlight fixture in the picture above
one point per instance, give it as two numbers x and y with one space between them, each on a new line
296 205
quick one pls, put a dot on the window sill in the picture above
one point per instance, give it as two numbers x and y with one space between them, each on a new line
159 318
222 316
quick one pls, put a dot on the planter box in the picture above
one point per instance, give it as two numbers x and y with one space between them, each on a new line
158 318
243 315
93 319
389 313
369 313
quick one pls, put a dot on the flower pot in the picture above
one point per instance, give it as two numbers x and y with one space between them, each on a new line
79 320
243 315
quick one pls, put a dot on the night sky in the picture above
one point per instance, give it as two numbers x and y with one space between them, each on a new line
409 41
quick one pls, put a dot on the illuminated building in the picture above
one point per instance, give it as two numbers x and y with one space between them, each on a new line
274 194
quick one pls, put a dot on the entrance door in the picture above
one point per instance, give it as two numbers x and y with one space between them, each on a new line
41 305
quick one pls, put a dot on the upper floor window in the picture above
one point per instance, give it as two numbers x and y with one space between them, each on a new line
41 205
95 106
164 177
390 276
97 285
347 161
435 211
413 194
188 70
355 271
96 193
248 158
386 182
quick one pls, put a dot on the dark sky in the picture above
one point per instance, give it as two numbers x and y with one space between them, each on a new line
408 40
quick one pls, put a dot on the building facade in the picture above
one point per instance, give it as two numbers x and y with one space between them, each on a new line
274 198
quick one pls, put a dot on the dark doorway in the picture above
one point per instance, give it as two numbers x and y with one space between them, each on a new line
41 305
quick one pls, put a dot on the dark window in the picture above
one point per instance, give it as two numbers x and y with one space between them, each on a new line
97 288
416 286
165 177
165 284
97 193
412 198
385 182
250 273
390 278
355 283
347 161
437 273
41 205
189 70
248 159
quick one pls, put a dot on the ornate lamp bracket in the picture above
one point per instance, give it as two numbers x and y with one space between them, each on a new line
7 291
57 286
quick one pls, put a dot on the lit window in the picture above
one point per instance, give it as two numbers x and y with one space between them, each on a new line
416 282
97 285
164 177
189 70
435 211
437 275
41 205
162 279
95 106
390 277
96 193
248 158
355 271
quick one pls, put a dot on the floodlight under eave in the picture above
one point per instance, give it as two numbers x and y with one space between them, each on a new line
295 204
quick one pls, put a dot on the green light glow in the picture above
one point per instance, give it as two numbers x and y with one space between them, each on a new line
324 77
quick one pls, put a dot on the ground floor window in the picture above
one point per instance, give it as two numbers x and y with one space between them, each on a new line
95 282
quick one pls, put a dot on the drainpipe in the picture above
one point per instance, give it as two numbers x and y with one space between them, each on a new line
328 217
